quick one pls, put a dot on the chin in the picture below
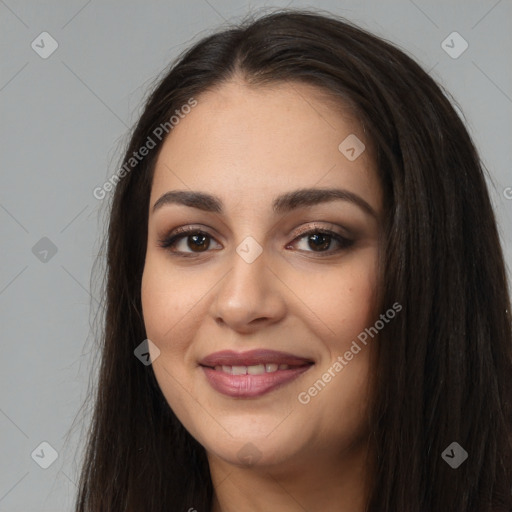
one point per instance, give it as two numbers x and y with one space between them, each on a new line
257 453
250 446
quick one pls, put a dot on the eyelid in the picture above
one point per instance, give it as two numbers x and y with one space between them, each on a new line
344 241
313 228
181 232
331 228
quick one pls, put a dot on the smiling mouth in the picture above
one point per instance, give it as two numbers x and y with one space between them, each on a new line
255 369
257 357
252 381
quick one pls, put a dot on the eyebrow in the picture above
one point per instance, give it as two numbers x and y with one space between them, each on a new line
284 203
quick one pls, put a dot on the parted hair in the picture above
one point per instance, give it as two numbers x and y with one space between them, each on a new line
443 367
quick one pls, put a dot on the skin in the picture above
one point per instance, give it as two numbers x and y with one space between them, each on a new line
247 145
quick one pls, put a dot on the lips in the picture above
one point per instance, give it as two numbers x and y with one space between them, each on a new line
252 358
252 374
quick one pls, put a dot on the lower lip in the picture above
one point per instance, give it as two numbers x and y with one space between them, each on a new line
248 386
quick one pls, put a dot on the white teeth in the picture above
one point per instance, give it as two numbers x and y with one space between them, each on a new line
239 370
255 369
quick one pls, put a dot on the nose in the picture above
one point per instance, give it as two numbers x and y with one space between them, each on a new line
250 296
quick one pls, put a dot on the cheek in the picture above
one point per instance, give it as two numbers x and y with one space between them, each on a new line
344 298
169 301
158 306
347 306
169 305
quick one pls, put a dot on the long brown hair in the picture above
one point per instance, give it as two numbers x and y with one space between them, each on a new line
443 371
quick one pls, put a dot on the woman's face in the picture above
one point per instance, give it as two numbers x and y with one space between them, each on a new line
228 306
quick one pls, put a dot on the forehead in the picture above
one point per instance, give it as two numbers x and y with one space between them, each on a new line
242 139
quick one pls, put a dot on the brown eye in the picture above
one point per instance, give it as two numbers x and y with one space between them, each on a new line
199 241
187 242
319 241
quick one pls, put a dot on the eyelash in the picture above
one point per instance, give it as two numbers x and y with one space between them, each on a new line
169 241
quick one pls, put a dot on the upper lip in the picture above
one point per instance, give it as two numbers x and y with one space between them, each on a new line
252 357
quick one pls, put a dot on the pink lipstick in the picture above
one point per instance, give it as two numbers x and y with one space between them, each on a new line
253 373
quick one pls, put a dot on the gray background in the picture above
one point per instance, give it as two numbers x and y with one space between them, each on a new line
63 122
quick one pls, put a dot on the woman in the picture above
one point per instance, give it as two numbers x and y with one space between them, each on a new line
302 245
